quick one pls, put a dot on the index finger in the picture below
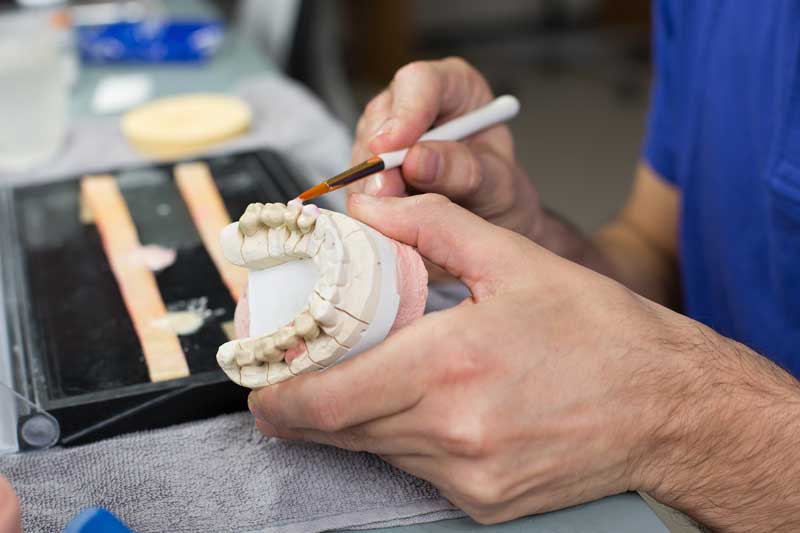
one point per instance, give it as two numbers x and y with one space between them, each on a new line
382 381
424 93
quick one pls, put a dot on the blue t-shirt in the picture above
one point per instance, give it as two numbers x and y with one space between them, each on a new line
724 128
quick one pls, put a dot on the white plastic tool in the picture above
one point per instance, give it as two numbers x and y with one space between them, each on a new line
493 113
496 112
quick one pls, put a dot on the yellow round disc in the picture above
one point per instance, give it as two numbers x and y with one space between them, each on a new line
182 125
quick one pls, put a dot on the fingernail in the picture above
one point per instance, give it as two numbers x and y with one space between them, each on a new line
251 405
385 127
374 184
429 165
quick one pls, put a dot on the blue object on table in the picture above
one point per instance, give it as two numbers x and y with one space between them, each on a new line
150 41
96 520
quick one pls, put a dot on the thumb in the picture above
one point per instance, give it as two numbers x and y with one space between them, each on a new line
484 257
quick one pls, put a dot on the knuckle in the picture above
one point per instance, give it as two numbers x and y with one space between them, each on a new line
466 436
414 71
430 199
462 364
435 199
374 105
361 127
480 491
473 175
460 63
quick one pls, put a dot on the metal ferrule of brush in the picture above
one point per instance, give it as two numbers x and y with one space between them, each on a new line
370 166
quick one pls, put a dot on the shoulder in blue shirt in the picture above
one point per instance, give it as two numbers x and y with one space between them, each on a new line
724 128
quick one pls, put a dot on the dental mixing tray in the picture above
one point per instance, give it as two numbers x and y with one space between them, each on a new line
77 349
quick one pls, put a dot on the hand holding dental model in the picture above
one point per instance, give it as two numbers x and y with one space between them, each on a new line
553 384
321 286
363 287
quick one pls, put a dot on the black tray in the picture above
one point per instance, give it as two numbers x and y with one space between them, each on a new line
79 356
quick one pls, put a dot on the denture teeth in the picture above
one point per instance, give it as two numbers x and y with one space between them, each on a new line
335 274
327 291
306 326
278 372
254 376
255 250
290 215
323 311
272 214
291 244
226 355
313 245
285 338
267 351
303 364
307 218
231 241
249 221
245 357
277 242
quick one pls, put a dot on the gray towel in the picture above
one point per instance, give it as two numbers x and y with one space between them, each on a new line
218 475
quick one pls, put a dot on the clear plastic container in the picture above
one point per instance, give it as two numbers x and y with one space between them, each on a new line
34 87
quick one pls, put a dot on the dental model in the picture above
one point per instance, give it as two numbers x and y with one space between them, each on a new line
322 287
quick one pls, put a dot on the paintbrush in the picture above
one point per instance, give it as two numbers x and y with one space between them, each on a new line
499 110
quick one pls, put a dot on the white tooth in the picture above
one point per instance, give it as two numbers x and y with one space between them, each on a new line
301 248
285 338
272 215
327 290
322 226
277 242
290 215
291 243
226 355
323 311
345 224
325 351
346 330
267 351
245 357
278 372
254 376
335 274
306 326
333 249
231 240
255 251
363 277
307 218
302 364
250 221
313 245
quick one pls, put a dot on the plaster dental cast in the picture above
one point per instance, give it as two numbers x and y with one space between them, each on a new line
321 286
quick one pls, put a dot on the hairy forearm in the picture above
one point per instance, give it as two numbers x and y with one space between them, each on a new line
727 453
618 251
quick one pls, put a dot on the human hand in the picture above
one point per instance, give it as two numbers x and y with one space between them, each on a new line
9 508
541 391
479 173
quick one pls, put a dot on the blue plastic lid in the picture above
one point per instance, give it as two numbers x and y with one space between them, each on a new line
96 520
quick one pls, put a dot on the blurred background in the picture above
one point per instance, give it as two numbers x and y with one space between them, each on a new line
580 68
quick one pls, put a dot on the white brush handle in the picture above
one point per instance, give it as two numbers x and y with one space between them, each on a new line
499 110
